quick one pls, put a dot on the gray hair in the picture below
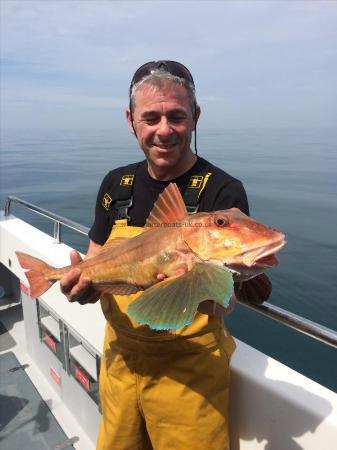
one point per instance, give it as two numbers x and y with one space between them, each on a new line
157 78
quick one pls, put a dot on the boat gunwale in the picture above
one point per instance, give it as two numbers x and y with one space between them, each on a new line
287 318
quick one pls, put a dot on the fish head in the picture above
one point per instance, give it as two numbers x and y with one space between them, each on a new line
234 240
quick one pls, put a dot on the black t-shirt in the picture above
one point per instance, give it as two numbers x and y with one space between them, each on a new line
222 192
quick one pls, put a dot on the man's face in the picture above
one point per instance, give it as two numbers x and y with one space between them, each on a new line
164 122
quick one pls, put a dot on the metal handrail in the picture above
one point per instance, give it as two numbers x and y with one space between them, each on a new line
58 220
298 323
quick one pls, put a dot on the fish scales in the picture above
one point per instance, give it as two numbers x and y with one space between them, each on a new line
135 261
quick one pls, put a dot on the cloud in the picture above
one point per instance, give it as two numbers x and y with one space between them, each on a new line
98 37
247 52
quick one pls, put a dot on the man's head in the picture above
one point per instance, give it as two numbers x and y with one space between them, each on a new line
156 73
163 113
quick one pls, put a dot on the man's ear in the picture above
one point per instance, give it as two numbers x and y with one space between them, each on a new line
130 121
197 113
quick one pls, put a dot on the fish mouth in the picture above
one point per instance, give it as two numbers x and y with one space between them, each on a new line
255 261
264 256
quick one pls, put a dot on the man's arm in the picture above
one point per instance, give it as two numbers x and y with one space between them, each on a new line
257 290
74 288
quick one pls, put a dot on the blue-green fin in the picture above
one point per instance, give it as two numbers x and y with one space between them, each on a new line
172 303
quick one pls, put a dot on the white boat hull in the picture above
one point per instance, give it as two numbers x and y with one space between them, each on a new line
272 406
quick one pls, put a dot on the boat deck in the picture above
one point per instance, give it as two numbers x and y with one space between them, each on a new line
31 415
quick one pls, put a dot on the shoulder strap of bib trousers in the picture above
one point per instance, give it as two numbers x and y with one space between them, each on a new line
123 198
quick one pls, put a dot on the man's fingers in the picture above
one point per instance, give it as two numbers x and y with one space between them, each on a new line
75 288
161 276
91 297
75 257
68 280
79 289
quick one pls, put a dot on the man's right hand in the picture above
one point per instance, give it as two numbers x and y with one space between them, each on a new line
75 288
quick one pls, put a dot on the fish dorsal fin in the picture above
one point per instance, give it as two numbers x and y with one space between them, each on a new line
169 207
112 243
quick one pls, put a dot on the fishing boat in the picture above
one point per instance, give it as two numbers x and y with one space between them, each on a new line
50 354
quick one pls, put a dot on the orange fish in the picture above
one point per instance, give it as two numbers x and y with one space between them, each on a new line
212 249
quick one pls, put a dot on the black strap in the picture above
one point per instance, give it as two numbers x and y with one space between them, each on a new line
123 198
125 193
195 187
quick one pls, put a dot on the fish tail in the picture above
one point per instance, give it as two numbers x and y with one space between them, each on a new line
36 275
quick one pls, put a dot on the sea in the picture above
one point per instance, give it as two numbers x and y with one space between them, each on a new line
290 176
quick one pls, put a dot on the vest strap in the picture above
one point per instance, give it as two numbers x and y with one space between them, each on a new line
194 189
123 199
122 208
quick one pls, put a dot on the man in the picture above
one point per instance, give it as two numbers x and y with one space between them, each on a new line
160 390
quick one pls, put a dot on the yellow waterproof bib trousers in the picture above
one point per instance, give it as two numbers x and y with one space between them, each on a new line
160 390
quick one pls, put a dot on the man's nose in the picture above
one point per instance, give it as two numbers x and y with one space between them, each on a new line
164 127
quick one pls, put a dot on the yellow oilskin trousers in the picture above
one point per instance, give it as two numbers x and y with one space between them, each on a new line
162 390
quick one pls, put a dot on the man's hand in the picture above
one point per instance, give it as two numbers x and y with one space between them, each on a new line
257 290
77 289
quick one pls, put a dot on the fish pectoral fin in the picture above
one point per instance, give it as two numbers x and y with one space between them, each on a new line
117 288
172 303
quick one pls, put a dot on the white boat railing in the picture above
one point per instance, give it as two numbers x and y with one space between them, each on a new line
57 219
298 323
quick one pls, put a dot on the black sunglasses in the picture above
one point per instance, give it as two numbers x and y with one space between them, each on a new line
174 68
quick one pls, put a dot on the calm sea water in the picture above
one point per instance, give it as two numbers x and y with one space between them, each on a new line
290 178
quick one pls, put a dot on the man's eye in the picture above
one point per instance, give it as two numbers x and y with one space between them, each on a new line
177 119
151 120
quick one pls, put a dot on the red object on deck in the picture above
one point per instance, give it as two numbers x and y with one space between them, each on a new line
49 341
55 376
83 378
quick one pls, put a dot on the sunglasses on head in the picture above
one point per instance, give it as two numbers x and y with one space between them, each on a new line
172 67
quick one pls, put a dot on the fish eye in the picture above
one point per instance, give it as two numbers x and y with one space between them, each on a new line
221 221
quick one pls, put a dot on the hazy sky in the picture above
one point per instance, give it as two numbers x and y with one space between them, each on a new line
255 63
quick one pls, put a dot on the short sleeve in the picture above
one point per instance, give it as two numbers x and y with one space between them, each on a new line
232 195
100 230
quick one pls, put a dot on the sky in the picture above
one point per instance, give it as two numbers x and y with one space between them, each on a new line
256 64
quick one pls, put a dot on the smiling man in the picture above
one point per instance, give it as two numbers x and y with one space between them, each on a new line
160 390
164 121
